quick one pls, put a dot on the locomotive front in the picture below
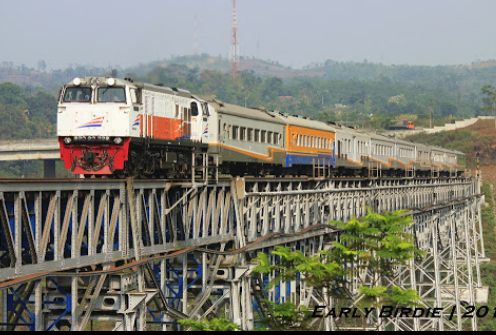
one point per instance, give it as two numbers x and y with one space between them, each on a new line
97 117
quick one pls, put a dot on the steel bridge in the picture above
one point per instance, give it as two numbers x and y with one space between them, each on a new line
134 254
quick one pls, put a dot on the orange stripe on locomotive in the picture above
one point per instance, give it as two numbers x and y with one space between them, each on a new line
162 128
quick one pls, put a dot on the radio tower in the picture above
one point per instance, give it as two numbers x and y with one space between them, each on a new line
195 49
234 52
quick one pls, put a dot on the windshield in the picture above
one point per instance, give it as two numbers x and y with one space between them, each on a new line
111 94
77 94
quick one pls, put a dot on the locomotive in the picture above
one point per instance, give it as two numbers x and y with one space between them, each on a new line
118 128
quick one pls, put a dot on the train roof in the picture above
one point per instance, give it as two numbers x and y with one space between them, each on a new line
250 113
300 121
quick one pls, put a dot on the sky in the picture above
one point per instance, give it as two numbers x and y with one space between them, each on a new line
296 33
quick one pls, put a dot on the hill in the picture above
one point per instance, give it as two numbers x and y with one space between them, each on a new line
366 95
479 138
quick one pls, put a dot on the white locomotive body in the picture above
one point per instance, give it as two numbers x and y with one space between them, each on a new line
106 125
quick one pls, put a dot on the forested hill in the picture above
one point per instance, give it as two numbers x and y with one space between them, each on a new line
364 94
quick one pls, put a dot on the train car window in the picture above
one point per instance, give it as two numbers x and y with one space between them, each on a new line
250 135
111 94
235 133
226 130
194 109
270 137
257 135
242 134
77 94
263 137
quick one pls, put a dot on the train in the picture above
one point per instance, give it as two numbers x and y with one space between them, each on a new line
121 128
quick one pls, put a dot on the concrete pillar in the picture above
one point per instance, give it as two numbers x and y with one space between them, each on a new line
49 168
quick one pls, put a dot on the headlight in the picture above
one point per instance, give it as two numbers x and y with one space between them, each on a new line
68 140
76 81
118 140
111 81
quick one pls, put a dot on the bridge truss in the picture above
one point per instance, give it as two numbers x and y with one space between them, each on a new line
138 254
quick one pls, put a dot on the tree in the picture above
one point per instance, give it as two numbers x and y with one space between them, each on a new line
489 100
375 244
41 65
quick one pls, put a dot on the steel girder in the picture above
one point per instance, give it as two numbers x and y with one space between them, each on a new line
132 253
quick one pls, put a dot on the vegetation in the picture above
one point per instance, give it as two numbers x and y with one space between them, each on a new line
360 93
364 95
375 244
214 325
25 114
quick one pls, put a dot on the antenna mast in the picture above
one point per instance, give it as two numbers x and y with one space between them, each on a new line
195 49
234 52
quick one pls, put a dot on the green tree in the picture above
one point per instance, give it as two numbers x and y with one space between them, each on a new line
375 244
489 99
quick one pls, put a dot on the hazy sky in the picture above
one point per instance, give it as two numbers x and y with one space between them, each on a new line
293 32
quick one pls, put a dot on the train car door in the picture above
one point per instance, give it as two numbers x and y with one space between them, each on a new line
186 121
205 125
136 113
196 122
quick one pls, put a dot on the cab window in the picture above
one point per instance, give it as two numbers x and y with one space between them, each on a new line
77 94
111 94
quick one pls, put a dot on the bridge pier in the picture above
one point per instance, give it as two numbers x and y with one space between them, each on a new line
111 250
